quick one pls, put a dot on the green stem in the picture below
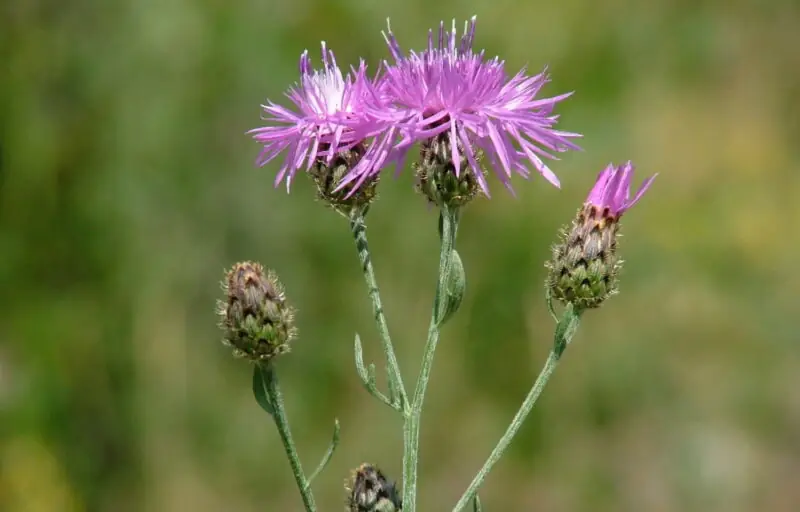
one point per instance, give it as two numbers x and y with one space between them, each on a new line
449 219
359 229
276 399
565 330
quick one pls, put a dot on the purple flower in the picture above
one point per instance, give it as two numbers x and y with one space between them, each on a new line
450 91
330 118
612 190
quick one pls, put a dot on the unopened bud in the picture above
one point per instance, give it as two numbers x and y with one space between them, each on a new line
436 174
256 320
369 491
354 195
585 265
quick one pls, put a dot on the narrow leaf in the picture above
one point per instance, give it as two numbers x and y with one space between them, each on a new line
476 504
367 376
371 376
456 285
565 329
360 368
394 394
328 454
260 391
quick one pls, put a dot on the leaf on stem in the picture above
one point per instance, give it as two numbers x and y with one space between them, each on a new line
394 393
565 329
260 390
328 454
455 286
452 279
476 504
367 375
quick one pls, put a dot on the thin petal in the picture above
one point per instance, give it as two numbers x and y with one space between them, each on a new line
456 158
642 189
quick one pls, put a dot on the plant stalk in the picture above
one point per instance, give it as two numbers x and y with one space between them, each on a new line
565 330
359 229
281 421
449 218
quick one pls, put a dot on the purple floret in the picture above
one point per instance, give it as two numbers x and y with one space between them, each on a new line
448 89
329 117
612 190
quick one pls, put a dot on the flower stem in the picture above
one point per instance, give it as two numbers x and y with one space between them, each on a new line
565 330
276 399
449 219
359 229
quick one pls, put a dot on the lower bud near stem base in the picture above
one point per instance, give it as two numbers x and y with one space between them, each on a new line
369 491
584 268
436 175
327 178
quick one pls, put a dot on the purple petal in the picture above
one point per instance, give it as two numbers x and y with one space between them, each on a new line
454 149
598 192
642 189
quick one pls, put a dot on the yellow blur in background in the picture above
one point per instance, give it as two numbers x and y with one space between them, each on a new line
127 185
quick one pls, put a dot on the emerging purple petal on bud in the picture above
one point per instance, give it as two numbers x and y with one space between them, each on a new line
585 266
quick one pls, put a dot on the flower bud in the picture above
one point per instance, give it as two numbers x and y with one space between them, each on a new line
585 265
255 318
436 175
328 177
369 491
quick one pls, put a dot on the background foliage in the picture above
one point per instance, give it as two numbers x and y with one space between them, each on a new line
127 185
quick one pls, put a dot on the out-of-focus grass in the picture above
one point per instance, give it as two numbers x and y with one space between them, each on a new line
127 185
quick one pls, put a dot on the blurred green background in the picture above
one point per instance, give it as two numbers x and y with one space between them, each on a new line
127 186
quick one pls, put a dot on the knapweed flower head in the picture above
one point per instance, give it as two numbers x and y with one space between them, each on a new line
329 127
585 265
459 97
368 490
254 316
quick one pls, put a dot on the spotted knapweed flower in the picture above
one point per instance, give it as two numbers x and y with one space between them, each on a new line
585 264
460 104
328 133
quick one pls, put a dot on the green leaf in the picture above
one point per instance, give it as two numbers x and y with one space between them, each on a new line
260 390
360 368
394 393
565 329
456 285
328 454
367 376
476 504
